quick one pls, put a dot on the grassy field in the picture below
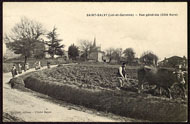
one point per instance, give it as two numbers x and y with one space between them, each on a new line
82 84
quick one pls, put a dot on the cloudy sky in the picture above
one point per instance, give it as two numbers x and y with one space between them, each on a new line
163 35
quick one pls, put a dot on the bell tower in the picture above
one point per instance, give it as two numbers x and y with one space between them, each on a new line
94 44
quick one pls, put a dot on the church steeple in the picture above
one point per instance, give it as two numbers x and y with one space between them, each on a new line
94 44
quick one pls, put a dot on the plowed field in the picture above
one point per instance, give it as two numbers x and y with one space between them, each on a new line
87 76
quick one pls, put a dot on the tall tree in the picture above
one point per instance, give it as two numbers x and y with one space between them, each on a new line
119 53
85 46
60 52
73 51
23 37
109 53
129 54
113 53
53 43
149 58
39 50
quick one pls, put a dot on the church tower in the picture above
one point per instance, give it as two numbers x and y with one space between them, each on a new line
94 44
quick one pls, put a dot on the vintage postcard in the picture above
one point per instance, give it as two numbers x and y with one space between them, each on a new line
95 62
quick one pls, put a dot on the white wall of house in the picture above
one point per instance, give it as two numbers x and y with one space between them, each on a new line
100 56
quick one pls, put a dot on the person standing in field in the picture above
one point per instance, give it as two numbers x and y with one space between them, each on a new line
180 79
121 75
14 71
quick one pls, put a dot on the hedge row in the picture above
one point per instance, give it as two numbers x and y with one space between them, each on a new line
123 103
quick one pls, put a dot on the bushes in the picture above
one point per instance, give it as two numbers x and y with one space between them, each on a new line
127 104
17 82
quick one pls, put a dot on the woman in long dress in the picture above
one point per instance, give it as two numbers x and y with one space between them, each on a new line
19 68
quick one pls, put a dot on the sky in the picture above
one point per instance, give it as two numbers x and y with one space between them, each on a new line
165 36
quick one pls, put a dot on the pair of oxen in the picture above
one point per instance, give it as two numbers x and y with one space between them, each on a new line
163 78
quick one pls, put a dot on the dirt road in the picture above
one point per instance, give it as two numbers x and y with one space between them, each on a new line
26 106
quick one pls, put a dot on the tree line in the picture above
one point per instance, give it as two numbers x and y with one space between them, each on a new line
29 38
127 55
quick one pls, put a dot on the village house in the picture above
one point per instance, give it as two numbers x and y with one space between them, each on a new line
174 61
95 54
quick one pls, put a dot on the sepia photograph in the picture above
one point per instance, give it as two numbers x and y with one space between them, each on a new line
94 62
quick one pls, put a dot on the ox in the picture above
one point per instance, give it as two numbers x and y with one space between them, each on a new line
161 77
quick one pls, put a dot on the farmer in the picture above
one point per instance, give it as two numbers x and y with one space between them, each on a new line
122 76
180 78
14 71
19 68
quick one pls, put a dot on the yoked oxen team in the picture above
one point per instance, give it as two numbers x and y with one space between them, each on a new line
161 77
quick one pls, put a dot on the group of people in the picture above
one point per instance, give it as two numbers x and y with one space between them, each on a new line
18 70
37 65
